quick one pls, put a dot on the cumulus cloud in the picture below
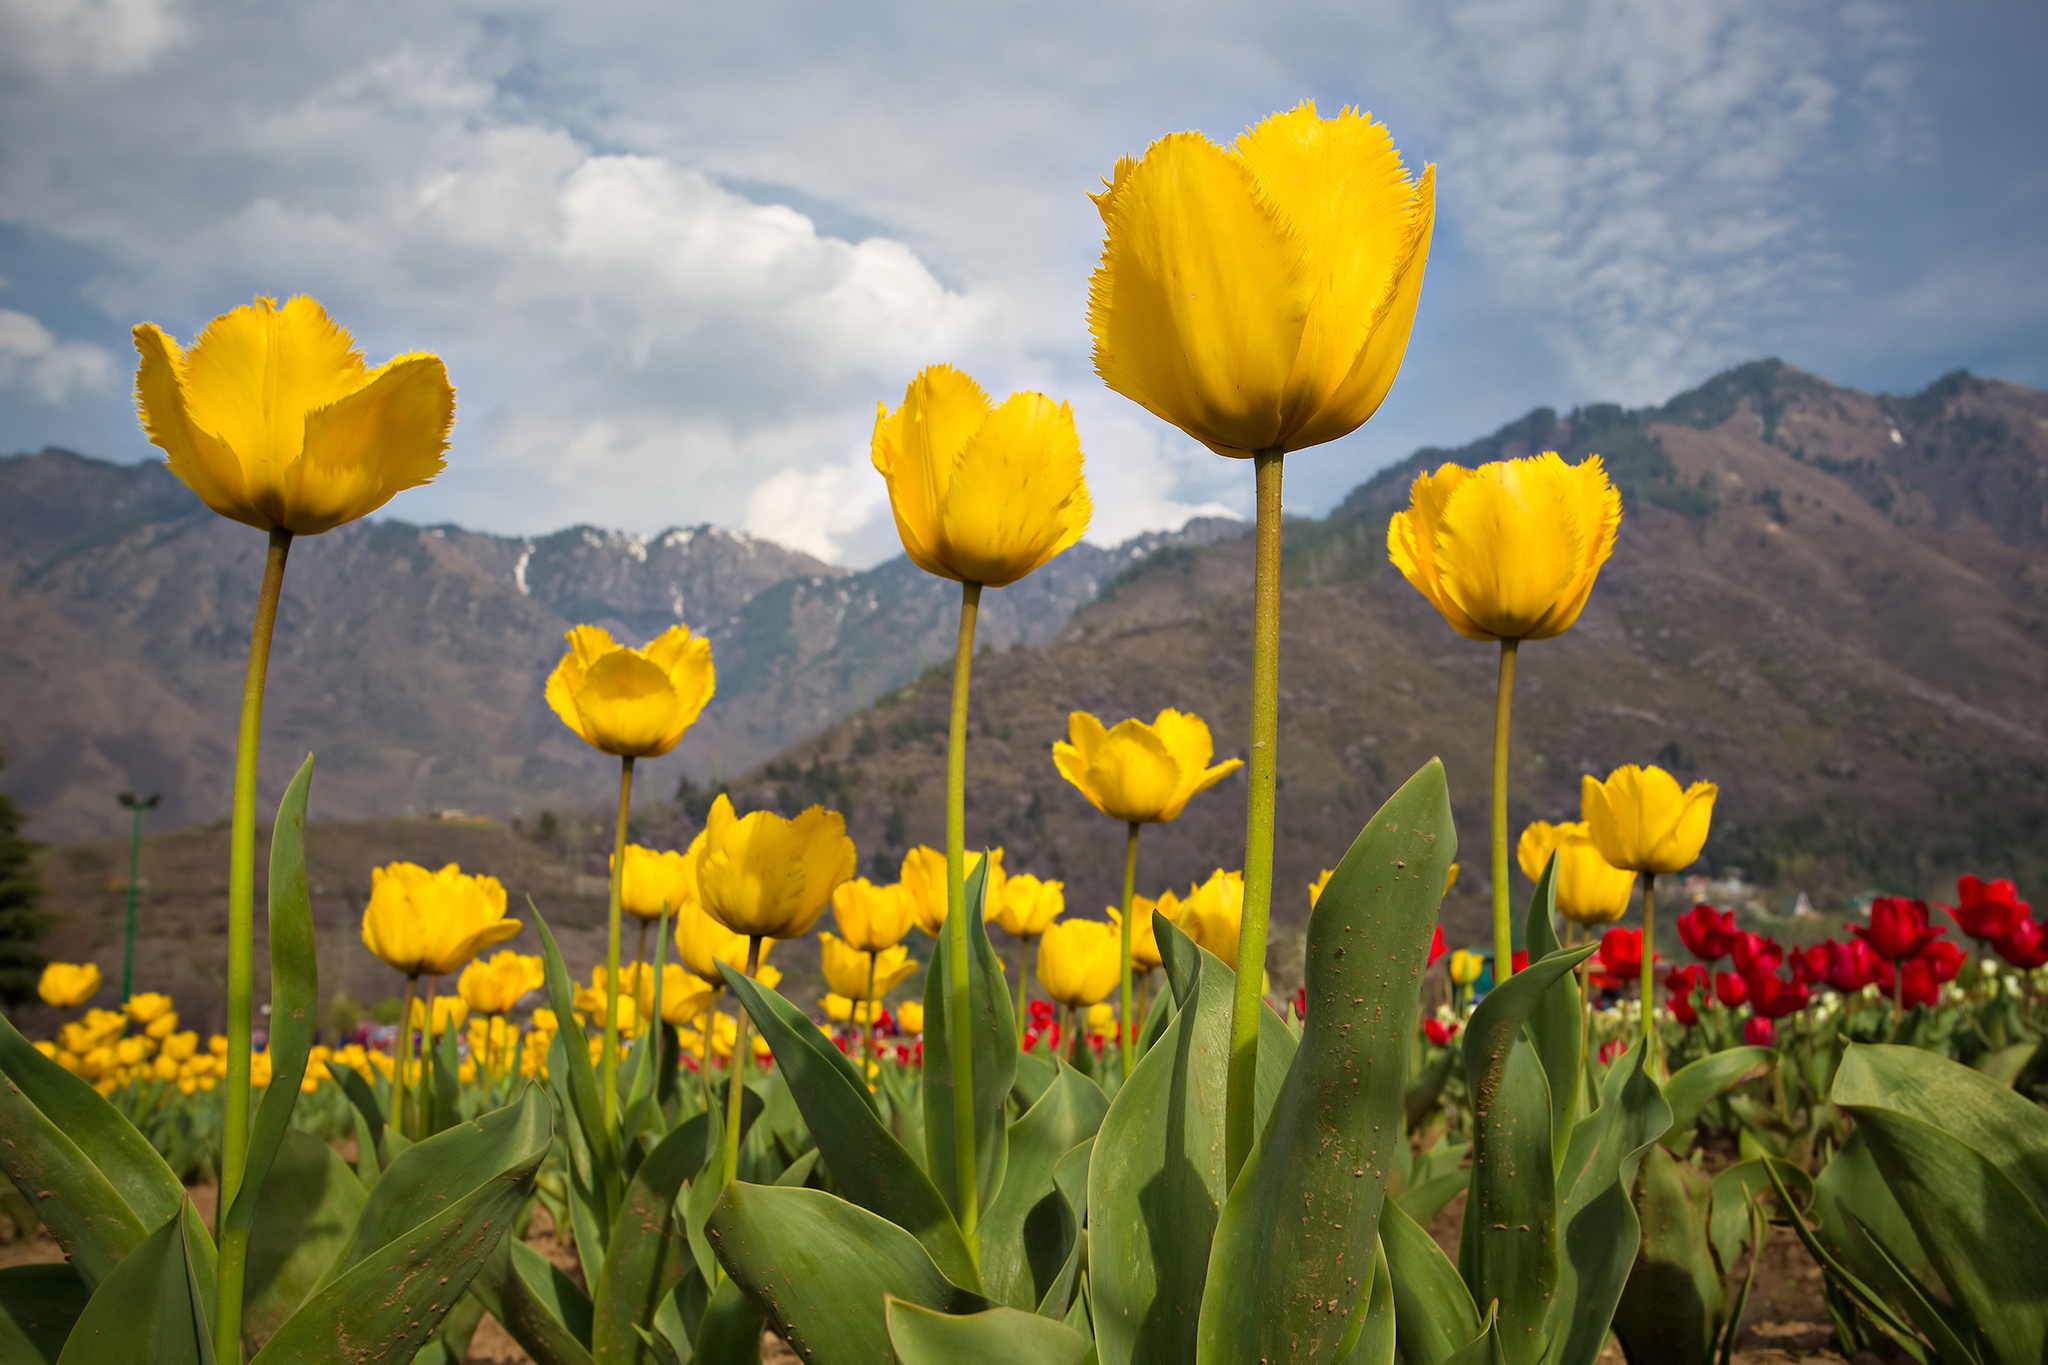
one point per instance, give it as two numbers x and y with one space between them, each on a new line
33 360
59 39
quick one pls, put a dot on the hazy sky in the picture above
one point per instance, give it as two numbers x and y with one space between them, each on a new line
674 254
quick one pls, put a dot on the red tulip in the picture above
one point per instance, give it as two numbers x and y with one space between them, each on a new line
1851 965
1730 989
1756 955
1439 1032
1989 910
1774 997
1437 946
1943 958
1810 964
1898 928
1759 1032
1611 1049
1621 950
1683 982
1708 933
1518 962
1917 983
2026 945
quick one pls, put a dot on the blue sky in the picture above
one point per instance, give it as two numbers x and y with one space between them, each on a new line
674 257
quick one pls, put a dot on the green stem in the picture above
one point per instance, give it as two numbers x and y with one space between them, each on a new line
404 1041
736 1074
608 1077
1241 1102
958 1004
1124 1031
134 871
242 952
1503 922
1648 988
868 1046
1023 978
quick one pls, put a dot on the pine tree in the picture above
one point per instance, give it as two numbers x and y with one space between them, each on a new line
22 920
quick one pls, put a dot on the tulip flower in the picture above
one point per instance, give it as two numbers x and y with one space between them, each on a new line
1437 946
1774 997
1851 965
1590 890
923 879
863 976
430 923
1260 299
436 1016
1755 955
1988 910
1077 962
2025 945
1944 959
1146 912
872 918
767 877
1898 928
1028 905
67 985
1642 821
1212 913
1759 1032
1708 934
1731 989
910 1017
1810 964
1439 1032
1140 774
496 985
1508 552
1466 967
655 883
1682 983
1621 950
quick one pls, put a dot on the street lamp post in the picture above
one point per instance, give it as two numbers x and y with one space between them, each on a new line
137 805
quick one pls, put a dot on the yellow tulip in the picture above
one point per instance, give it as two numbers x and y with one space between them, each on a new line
1315 888
684 996
870 917
1213 913
147 1007
1101 1020
274 421
635 703
1079 961
1641 821
655 882
768 877
634 979
1465 967
429 923
702 943
981 494
449 1012
1028 904
495 985
1139 772
1539 840
847 968
67 985
843 1009
1260 298
259 1069
1590 890
910 1016
1144 927
180 1047
1507 551
923 879
163 1026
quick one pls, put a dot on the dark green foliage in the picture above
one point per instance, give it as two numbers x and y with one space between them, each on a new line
22 921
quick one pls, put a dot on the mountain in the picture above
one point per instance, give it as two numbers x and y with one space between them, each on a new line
411 659
1832 604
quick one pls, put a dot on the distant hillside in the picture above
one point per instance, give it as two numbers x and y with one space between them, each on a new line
1833 604
411 659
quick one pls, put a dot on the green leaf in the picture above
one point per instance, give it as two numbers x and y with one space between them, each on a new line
1068 1113
2004 1128
1484 1349
1155 1184
1070 1183
1374 1339
1555 1026
868 1165
426 1230
309 1206
731 1331
1944 1327
647 1254
444 1071
1293 1252
992 1031
98 1207
151 1308
38 1306
540 1307
1851 1186
999 1336
1695 1086
450 1343
818 1268
1034 1074
1736 1187
371 1154
1433 1312
294 995
1425 1201
578 1074
1674 1299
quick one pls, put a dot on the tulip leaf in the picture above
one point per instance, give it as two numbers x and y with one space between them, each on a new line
1851 1186
294 995
869 1167
1068 1113
371 1153
1967 1161
1294 1249
151 1307
709 1180
1698 1084
730 1333
1556 1027
427 1229
647 1255
1372 1335
1485 1349
578 1073
1946 1329
992 1034
818 1268
38 1306
539 1305
1433 1312
1156 1183
309 1206
1070 1184
1674 1297
999 1336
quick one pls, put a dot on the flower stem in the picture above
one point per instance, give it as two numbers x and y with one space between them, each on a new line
736 1075
404 1041
608 1076
958 1003
242 952
1503 924
1648 989
1023 976
1241 1102
1124 1031
868 1053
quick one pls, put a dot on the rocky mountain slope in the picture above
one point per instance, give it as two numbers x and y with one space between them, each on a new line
1833 604
411 659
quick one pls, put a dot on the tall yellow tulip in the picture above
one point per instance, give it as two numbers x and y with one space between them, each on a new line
1024 906
1140 774
1213 912
1260 299
1640 819
1507 552
1077 962
655 883
872 918
495 985
635 703
923 879
67 985
767 877
864 976
1590 890
273 420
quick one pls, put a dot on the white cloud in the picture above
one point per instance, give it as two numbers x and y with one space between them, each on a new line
838 512
56 39
33 360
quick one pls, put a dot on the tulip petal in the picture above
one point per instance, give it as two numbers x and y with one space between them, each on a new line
1198 305
370 445
1594 505
1412 536
200 461
1134 775
254 374
627 705
1510 544
915 449
686 659
1015 497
